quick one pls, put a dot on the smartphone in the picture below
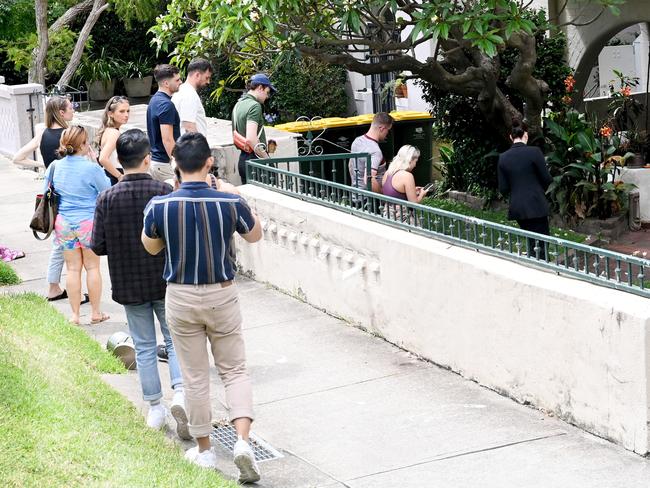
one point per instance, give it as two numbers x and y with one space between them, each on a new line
428 188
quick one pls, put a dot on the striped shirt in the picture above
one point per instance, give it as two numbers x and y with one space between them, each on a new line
197 224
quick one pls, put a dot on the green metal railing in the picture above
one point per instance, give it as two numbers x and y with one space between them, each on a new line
596 265
330 167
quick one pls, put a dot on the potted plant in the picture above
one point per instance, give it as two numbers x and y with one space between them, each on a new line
137 77
99 76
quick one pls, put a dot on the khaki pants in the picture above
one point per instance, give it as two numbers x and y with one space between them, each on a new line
161 171
197 312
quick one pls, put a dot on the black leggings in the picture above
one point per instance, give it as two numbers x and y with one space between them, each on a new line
540 226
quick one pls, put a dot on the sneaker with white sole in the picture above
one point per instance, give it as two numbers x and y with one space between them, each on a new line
205 459
245 462
157 417
179 414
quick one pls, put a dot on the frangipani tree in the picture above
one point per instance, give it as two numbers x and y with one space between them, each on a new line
376 36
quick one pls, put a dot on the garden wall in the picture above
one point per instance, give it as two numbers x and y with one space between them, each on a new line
562 345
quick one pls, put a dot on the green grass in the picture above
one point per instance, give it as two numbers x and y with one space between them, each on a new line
60 424
7 275
495 216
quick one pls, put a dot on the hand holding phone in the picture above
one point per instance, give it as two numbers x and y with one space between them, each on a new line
428 188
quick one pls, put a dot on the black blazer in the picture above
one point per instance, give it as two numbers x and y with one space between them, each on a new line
523 174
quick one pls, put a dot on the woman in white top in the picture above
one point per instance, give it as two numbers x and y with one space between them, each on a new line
115 115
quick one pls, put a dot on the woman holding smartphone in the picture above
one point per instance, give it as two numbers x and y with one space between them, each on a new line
398 182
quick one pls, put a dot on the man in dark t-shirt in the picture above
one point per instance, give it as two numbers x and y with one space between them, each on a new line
163 122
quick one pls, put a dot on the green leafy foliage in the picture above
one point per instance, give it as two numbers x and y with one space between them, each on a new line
305 87
19 52
476 143
308 87
584 166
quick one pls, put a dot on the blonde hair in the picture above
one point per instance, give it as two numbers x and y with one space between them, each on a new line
72 140
107 121
53 109
403 158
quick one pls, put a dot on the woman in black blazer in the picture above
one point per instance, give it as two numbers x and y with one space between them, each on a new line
524 175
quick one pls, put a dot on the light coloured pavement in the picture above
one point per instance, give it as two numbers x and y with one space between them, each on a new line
348 409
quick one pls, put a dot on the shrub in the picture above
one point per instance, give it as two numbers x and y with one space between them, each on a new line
7 275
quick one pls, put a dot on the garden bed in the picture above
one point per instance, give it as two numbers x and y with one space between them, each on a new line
501 217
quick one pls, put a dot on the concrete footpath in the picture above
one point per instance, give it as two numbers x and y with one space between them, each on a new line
345 408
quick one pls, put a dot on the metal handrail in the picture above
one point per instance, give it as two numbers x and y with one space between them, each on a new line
333 167
587 263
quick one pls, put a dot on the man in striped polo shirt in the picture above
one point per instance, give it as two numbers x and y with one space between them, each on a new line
195 225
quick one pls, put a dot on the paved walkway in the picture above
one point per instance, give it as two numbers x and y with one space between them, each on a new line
633 243
348 409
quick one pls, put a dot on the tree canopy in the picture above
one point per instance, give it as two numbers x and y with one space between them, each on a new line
376 36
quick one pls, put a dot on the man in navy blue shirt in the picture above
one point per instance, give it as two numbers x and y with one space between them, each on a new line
195 226
163 121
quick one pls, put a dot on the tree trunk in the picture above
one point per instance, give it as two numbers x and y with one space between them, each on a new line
98 7
39 55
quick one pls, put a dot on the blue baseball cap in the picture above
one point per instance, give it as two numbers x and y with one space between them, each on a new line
262 79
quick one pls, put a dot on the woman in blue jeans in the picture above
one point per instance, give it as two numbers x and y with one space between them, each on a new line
59 112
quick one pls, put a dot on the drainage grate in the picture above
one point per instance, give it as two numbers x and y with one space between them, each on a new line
226 436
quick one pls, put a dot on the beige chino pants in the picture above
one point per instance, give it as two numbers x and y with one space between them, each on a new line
197 312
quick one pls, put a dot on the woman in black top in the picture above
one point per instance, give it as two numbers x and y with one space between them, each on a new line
524 175
58 113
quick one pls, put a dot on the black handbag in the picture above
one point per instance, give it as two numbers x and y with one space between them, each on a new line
46 210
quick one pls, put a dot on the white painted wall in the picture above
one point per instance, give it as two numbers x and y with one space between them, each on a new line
611 58
563 345
15 117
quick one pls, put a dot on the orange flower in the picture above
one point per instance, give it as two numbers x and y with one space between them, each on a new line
606 131
569 83
567 100
626 91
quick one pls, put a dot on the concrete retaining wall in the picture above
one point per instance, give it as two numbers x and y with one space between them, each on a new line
568 347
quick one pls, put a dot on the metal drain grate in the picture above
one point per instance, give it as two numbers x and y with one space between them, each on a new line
226 436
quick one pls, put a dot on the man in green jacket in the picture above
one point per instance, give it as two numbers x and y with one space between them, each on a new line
248 121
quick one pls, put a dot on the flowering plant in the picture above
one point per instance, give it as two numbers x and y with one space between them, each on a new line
623 109
584 166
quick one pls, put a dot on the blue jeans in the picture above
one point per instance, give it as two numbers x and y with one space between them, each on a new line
143 331
55 265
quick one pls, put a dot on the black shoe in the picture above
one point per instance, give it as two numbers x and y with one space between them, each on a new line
162 353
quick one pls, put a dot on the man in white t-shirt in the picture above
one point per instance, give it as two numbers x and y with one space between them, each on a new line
187 101
369 143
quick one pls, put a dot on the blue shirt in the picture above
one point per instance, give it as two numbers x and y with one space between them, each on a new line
161 110
197 224
78 181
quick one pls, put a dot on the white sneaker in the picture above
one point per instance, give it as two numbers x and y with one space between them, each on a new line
245 462
178 412
205 459
157 416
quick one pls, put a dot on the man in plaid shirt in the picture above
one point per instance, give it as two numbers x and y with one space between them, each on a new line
136 275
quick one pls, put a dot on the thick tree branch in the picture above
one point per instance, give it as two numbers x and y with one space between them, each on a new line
98 7
39 55
70 15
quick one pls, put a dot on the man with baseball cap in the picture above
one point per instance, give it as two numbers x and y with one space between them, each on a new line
248 121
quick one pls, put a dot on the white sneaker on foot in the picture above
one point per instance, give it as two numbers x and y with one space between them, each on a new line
157 416
178 412
205 459
245 462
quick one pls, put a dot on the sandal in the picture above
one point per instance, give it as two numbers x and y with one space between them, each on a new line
102 318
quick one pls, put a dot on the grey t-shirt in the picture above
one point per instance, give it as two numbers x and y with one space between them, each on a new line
358 166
